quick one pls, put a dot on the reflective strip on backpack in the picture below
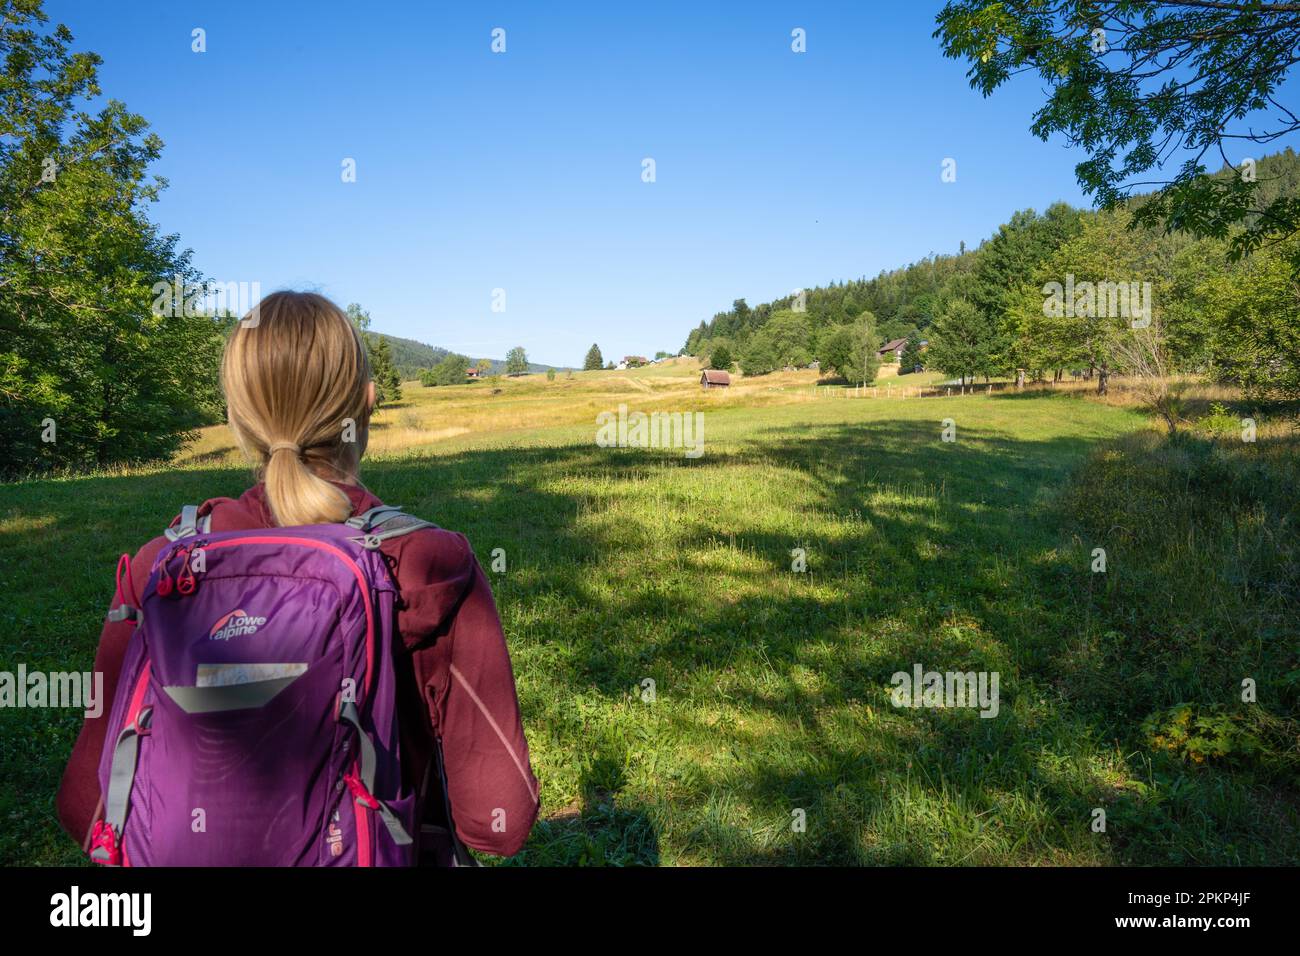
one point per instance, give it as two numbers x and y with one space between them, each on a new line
211 700
349 713
121 776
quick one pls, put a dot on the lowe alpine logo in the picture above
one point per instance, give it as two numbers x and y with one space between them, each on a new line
235 624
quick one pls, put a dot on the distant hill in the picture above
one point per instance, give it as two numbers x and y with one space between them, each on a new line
410 356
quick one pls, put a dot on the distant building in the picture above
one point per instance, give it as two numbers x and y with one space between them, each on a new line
714 378
471 373
896 346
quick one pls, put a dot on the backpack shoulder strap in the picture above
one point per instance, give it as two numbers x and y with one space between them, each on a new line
384 522
189 523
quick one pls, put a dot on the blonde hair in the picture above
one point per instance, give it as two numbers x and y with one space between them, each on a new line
297 385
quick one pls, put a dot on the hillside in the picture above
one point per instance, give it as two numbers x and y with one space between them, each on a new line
410 356
911 298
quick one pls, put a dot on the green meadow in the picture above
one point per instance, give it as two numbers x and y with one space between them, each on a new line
692 697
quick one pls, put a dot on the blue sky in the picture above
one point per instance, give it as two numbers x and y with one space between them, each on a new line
522 171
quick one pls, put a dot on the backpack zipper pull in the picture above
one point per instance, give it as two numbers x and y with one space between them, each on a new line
165 583
185 583
164 587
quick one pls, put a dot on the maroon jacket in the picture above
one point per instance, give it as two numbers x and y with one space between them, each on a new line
463 688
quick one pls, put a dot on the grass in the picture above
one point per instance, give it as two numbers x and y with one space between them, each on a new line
1119 691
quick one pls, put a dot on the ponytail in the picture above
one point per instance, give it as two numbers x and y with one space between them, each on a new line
297 385
297 495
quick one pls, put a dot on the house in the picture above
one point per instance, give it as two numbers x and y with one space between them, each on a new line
896 346
471 373
714 378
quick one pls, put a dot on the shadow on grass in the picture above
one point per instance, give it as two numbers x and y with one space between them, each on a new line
948 558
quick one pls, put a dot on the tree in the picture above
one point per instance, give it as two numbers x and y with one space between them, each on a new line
484 367
1136 82
850 350
694 340
961 341
789 334
1003 263
108 347
388 383
782 341
516 361
760 357
720 357
593 360
1088 295
550 375
450 371
1257 338
912 355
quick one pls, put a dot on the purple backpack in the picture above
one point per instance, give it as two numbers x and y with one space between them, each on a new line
255 718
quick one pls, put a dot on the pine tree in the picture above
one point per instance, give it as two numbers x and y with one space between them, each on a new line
388 382
594 360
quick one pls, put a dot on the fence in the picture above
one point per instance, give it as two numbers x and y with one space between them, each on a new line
941 391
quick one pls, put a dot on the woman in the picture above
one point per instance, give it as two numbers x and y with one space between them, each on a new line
299 396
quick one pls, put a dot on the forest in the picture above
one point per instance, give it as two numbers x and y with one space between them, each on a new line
989 311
